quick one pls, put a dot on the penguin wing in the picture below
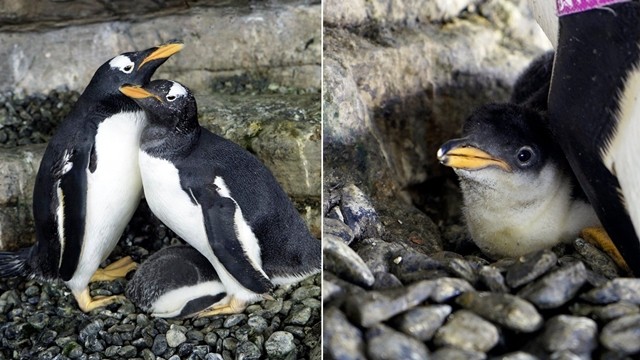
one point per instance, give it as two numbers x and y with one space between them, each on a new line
228 239
70 187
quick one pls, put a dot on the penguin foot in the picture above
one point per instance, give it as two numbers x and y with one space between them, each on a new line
230 306
86 303
597 236
116 270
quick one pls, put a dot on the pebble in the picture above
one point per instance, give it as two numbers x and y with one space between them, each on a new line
452 353
340 259
619 289
358 213
159 345
596 259
492 278
175 338
447 288
372 307
338 229
616 310
556 288
504 309
377 253
622 334
468 331
248 351
410 266
234 320
341 339
385 343
280 345
299 317
422 322
570 333
529 267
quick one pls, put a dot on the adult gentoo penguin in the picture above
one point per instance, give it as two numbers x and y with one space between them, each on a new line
192 177
88 184
518 190
176 281
594 108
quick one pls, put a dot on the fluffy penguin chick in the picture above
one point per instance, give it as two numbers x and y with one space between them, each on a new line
88 184
176 281
519 194
192 178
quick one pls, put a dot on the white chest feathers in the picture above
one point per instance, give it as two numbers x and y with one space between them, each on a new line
510 214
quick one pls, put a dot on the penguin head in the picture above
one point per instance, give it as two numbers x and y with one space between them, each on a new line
131 68
499 140
168 104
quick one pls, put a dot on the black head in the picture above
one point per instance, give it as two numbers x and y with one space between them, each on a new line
168 104
130 68
504 136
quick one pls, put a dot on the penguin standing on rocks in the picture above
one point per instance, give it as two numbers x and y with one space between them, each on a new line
88 184
594 108
519 192
195 180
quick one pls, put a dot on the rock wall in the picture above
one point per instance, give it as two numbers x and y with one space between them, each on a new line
254 68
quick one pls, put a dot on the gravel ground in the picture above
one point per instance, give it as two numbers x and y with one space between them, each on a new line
42 321
386 300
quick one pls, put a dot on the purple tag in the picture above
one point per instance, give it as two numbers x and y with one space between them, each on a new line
566 7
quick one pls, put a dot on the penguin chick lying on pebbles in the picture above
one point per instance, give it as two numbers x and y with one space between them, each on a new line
518 190
88 184
220 199
176 281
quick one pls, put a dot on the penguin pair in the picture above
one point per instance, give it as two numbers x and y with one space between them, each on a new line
519 193
88 184
220 199
594 107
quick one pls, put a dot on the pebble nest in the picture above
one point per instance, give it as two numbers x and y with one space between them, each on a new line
386 300
42 320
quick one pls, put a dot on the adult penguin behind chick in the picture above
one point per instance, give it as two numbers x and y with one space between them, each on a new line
88 184
519 192
594 107
191 177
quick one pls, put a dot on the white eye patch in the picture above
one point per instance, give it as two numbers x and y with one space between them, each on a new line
176 91
122 63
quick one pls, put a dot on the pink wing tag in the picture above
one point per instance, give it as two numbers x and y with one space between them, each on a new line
566 7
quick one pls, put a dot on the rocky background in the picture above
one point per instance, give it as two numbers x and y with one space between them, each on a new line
255 70
402 279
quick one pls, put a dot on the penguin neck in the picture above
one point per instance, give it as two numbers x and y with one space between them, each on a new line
169 144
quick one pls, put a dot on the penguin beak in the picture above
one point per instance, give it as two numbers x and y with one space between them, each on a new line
458 154
162 52
137 92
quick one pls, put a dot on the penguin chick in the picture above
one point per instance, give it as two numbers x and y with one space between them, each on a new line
192 178
88 184
517 188
176 281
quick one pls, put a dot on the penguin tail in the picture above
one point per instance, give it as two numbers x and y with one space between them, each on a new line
14 263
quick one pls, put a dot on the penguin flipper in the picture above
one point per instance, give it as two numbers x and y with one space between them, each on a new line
71 189
220 224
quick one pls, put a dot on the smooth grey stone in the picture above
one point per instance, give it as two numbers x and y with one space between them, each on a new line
369 308
248 350
452 353
422 322
596 259
337 228
280 345
456 265
384 343
616 310
359 214
175 338
518 355
378 254
447 288
385 280
306 291
622 334
233 320
341 260
620 289
299 317
411 266
570 333
468 331
556 288
341 339
504 309
529 267
493 279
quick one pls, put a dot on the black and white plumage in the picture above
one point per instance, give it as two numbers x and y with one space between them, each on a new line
88 184
192 177
594 108
176 281
519 192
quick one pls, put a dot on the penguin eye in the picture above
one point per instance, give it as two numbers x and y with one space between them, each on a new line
525 155
127 69
171 97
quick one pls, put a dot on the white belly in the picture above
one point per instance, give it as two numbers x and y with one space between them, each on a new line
173 206
113 191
